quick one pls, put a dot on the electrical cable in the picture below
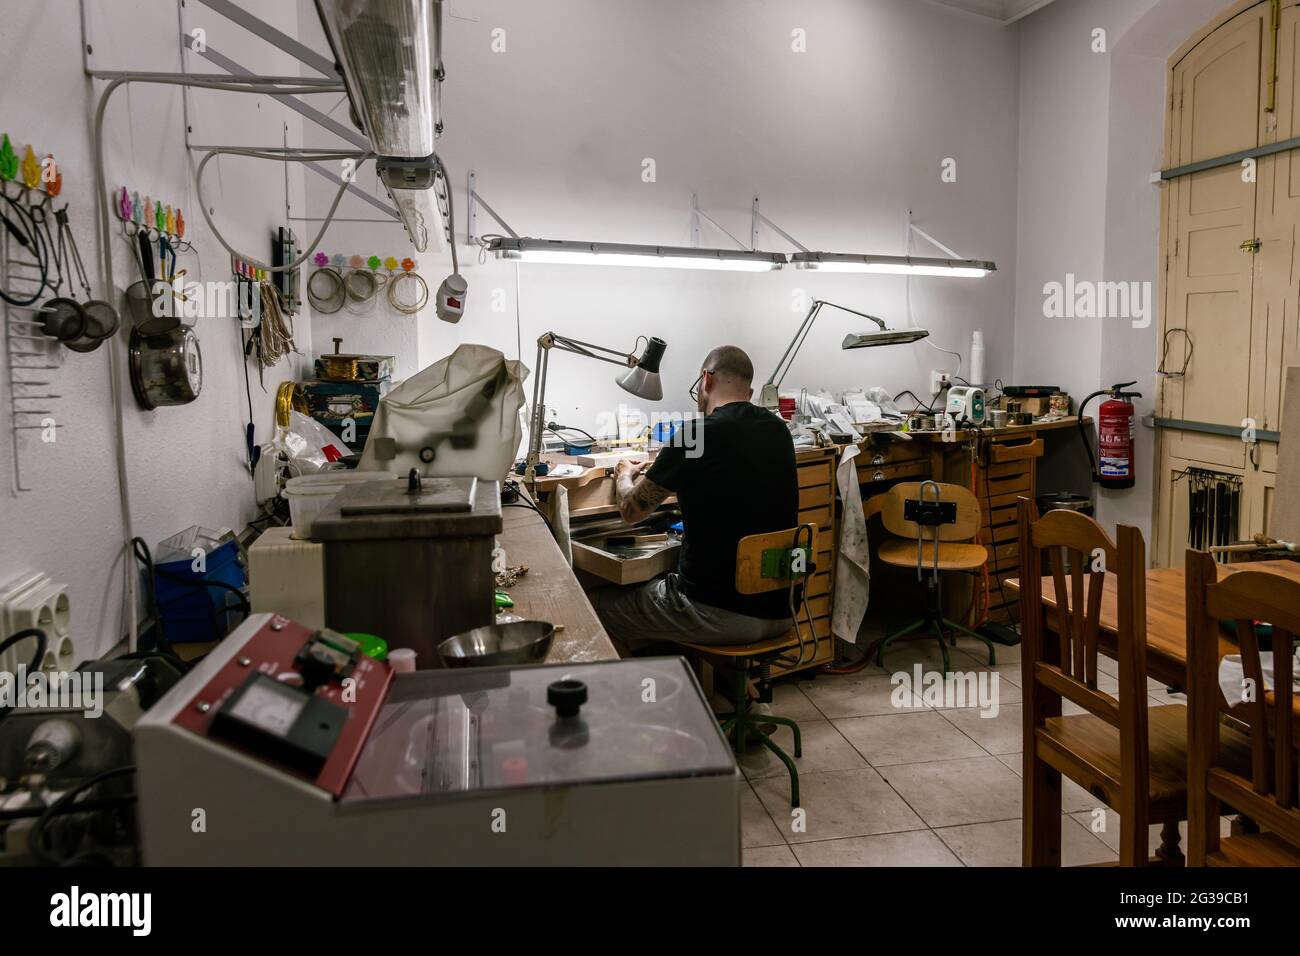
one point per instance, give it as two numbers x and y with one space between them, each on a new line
36 839
278 156
907 391
42 642
907 292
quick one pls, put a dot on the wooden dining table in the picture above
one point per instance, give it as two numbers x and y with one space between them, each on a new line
1166 615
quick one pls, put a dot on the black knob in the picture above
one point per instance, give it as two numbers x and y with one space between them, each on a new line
566 696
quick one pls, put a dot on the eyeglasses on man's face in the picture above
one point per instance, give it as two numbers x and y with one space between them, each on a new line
695 389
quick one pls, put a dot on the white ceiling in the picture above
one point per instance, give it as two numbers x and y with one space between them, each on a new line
1004 11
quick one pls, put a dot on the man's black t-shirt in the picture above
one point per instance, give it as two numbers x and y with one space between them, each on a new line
734 475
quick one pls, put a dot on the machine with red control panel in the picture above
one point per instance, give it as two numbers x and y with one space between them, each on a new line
288 746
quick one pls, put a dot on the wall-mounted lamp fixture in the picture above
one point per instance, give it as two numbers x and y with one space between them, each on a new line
566 252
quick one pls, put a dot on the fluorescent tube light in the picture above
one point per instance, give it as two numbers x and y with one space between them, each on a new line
565 252
386 49
892 265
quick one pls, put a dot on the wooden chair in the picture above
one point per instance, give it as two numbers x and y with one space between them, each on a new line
1130 756
1266 791
940 547
777 560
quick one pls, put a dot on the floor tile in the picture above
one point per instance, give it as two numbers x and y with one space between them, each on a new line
756 827
1002 734
954 792
855 696
823 749
769 856
840 803
999 844
906 738
790 699
913 848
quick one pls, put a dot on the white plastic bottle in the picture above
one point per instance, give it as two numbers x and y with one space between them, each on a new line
977 358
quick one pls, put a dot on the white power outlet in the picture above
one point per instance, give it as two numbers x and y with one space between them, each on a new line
34 600
939 380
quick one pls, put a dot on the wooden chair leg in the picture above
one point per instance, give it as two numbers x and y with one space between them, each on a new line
1042 813
1170 853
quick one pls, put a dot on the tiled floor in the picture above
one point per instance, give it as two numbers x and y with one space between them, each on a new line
890 785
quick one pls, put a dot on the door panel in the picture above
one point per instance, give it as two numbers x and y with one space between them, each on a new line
1278 267
1218 99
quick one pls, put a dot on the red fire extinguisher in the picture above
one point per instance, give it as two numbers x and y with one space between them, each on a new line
1114 465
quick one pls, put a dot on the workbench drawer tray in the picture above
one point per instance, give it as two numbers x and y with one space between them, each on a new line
619 568
867 472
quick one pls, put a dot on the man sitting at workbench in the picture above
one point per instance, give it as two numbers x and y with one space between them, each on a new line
733 472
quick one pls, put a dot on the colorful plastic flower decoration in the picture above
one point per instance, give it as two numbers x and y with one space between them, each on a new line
408 264
54 183
356 262
390 263
321 260
31 169
8 159
124 205
373 262
338 261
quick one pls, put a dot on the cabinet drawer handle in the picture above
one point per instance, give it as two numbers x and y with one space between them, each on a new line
878 460
878 476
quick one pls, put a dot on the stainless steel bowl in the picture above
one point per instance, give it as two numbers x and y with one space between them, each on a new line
519 642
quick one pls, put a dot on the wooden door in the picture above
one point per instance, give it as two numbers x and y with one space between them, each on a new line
1217 91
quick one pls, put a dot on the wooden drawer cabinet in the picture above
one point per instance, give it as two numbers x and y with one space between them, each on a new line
1008 475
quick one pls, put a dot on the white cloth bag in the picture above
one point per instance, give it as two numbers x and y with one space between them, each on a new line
464 408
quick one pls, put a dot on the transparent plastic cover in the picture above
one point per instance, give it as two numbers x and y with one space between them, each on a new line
450 731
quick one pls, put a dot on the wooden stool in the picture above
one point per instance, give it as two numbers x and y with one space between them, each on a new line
934 533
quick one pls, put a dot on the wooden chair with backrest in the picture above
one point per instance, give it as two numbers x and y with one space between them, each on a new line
1128 755
776 560
942 547
1265 791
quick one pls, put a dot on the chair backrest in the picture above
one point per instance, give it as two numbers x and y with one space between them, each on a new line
1067 665
1269 795
890 506
757 574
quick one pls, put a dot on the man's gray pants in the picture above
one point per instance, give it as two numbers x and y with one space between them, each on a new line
659 611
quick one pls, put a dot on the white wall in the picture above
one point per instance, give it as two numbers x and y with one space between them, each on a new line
186 463
838 142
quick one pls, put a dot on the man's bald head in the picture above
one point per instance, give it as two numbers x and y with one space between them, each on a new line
731 364
729 373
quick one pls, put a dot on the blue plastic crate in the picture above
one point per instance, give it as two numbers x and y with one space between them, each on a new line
192 612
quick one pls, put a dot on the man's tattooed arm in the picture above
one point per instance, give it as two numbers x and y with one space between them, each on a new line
638 497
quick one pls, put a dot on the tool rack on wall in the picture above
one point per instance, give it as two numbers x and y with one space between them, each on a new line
28 352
